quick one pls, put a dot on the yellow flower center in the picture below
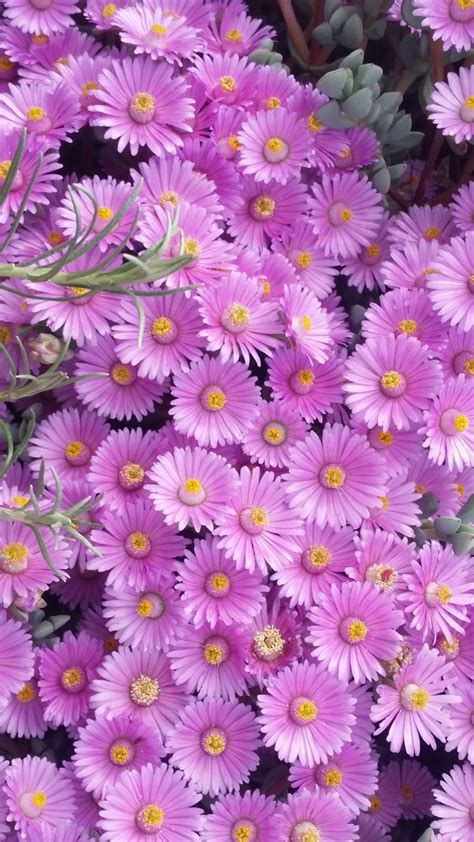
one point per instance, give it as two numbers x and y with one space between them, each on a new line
332 777
357 631
19 501
444 594
468 366
420 699
345 215
272 102
385 439
233 142
54 238
304 259
144 607
138 541
5 335
305 377
213 654
109 10
334 477
406 792
152 817
15 553
76 292
233 35
241 833
35 113
264 207
121 374
268 642
219 582
274 144
375 804
390 380
26 694
306 710
432 232
407 326
191 247
460 423
305 322
71 677
238 314
384 503
420 489
313 124
40 40
4 169
373 250
459 488
157 29
319 556
169 196
192 486
144 690
87 87
119 754
469 102
215 401
142 102
104 213
161 326
214 744
227 84
38 799
451 648
258 516
132 473
5 64
273 435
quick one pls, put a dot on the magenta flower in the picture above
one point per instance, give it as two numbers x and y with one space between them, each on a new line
327 144
452 105
109 195
346 213
322 556
265 211
386 805
437 480
41 18
307 323
144 618
81 77
452 22
275 641
313 269
135 546
273 145
360 148
399 448
240 816
365 270
449 425
214 744
452 282
38 795
47 111
370 830
272 434
409 267
22 714
306 714
105 750
118 469
138 685
190 486
351 775
215 402
454 804
353 629
415 783
398 509
210 661
43 185
232 31
213 590
256 527
312 388
335 479
307 815
141 103
206 159
422 223
168 182
457 357
16 657
391 383
156 33
383 559
462 208
227 79
438 592
23 569
149 801
65 675
50 58
417 707
461 734
408 312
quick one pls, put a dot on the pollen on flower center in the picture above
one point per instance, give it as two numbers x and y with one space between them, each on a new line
375 804
407 326
345 215
274 433
253 519
450 649
437 593
214 400
215 651
316 557
275 150
406 793
138 544
40 39
104 212
39 799
142 107
121 374
233 35
304 259
144 690
373 250
332 476
144 607
191 492
87 87
262 207
469 102
303 710
460 423
131 476
120 753
414 697
108 10
73 679
150 818
244 831
191 247
392 384
18 501
214 742
233 142
384 438
268 644
157 29
305 323
381 575
305 832
5 64
218 584
163 330
35 113
14 557
432 232
272 102
227 84
235 318
26 694
54 238
169 196
4 169
353 630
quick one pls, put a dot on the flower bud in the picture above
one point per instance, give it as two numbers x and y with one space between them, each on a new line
45 348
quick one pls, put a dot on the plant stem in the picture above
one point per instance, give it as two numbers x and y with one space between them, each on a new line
433 153
294 29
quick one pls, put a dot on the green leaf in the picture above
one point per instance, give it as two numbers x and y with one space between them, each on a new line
368 74
354 61
322 34
331 116
332 83
358 106
408 15
352 34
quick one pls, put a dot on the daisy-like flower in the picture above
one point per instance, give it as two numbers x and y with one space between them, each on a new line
360 148
16 657
214 744
451 285
351 775
275 641
135 546
369 829
322 557
312 388
438 592
399 448
215 401
307 815
48 59
307 323
65 675
23 569
233 31
210 661
454 804
272 434
190 486
435 479
306 714
118 392
38 795
151 801
256 527
462 208
240 817
383 559
265 211
391 383
397 510
461 732
452 21
206 159
22 714
408 312
353 630
170 339
213 590
168 182
365 270
449 425
43 185
109 196
421 223
153 31
385 805
313 269
137 684
81 77
335 479
48 112
346 213
106 749
273 145
142 103
417 707
457 357
227 79
148 618
119 467
459 651
237 321
41 18
415 784
410 266
452 105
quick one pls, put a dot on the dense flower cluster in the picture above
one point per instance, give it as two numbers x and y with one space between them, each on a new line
263 638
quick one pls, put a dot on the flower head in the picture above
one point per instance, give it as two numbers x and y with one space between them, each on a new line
38 794
452 104
66 672
345 213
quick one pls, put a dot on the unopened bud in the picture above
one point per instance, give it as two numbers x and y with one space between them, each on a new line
45 348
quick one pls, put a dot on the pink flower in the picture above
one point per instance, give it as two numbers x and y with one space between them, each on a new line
422 223
232 31
307 323
118 469
335 479
144 618
461 733
408 312
240 815
272 434
452 105
313 269
454 804
415 783
22 713
399 448
214 744
273 145
462 208
16 657
169 181
409 266
47 111
38 795
452 283
321 816
66 672
452 22
398 509
457 357
40 17
312 388
227 79
43 185
24 571
449 425
346 213
275 641
265 211
382 559
156 33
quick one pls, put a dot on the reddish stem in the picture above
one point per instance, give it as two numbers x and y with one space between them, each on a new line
429 166
294 29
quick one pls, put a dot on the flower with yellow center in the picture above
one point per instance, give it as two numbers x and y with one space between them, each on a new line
306 710
274 144
26 694
258 516
468 366
390 380
157 29
233 35
77 292
191 247
305 323
450 648
373 250
305 377
40 40
161 326
319 556
169 197
131 475
384 503
460 423
242 833
144 607
414 697
407 326
54 238
219 582
104 212
192 486
264 207
469 102
72 678
13 557
384 438
459 488
5 64
313 124
121 374
406 792
150 818
356 631
375 804
119 754
304 259
35 113
87 87
334 477
18 501
144 690
432 232
345 215
332 778
233 142
274 433
138 541
4 169
38 799
444 594
5 335
108 10
227 84
214 743
215 400
142 107
213 654
272 102
268 643
238 314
